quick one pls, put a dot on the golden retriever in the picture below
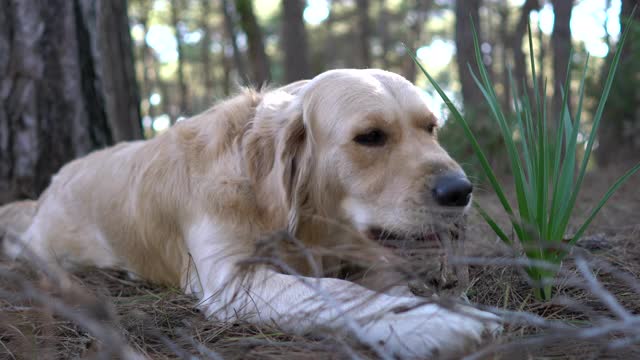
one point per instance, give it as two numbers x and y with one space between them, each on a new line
354 147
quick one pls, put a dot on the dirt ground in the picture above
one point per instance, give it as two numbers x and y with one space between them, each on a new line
161 323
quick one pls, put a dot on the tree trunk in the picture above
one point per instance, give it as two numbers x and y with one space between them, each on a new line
328 45
183 106
161 84
147 68
145 55
112 50
619 133
383 33
421 8
542 54
364 33
561 46
257 55
294 41
516 41
605 25
503 12
229 24
207 75
56 102
465 56
226 67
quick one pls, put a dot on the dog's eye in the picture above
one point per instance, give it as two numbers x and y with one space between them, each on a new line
375 137
431 128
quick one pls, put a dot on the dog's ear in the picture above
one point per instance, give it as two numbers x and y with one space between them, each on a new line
258 151
294 163
279 144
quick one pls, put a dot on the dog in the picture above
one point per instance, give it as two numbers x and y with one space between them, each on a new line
356 148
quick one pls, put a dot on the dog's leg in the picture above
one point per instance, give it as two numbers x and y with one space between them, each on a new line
392 325
15 219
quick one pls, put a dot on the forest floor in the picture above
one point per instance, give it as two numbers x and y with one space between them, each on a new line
38 322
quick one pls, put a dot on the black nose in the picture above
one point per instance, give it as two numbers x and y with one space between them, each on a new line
452 190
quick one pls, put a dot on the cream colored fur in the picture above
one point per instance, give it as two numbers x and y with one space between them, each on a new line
183 208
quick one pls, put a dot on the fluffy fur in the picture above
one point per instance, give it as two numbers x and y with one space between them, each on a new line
185 207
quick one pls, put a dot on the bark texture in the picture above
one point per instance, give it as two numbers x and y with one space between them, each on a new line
467 10
183 106
364 33
620 127
294 41
228 10
516 44
257 55
112 51
421 10
207 70
561 46
60 96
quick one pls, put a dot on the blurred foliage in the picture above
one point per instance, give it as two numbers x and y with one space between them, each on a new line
333 37
620 133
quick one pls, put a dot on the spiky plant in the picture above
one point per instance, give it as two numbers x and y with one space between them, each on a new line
543 164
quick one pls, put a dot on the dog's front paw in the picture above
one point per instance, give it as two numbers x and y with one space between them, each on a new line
432 331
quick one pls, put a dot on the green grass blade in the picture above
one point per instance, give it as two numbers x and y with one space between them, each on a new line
533 160
542 206
555 176
581 93
603 201
530 134
494 226
565 183
525 145
514 158
484 163
566 186
596 123
520 123
558 192
533 69
483 70
544 164
512 151
540 179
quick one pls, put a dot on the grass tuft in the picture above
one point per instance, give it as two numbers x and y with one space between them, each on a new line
543 163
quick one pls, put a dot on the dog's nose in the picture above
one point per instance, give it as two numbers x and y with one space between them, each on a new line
452 190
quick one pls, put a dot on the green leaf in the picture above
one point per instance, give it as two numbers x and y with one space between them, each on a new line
560 191
543 164
512 151
484 163
603 201
596 123
494 226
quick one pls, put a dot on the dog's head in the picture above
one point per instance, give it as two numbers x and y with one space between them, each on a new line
359 146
